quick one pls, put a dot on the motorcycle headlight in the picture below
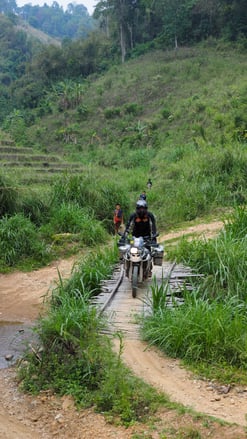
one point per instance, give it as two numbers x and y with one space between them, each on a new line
134 251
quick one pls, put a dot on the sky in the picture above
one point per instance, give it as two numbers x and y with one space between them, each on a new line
90 4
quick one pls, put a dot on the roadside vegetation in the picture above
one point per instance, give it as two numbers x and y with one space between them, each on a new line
74 213
209 330
76 359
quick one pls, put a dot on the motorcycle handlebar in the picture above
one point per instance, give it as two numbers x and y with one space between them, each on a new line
147 239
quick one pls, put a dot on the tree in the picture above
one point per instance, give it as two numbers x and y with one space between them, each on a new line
8 6
177 21
120 15
235 18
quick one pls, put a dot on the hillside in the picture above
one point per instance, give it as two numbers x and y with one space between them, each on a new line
190 97
37 34
72 21
178 116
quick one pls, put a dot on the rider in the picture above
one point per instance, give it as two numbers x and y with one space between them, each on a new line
143 196
141 222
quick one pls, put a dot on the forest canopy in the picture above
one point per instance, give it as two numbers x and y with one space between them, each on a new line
85 45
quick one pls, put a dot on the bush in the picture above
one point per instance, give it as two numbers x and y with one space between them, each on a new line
8 197
19 239
133 108
96 266
71 218
222 260
68 218
110 113
97 199
33 207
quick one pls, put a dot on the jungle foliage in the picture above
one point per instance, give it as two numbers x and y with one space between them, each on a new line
55 21
120 30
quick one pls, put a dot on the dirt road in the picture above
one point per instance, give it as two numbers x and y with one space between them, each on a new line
47 417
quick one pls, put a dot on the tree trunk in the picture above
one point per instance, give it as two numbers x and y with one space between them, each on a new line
176 41
122 43
130 28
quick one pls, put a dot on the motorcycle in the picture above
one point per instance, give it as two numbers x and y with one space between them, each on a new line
138 256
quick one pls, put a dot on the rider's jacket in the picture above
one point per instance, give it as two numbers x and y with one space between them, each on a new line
145 226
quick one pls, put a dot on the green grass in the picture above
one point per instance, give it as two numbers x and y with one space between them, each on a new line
19 240
208 331
222 260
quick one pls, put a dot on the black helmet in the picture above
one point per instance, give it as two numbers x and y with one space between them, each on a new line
141 204
141 208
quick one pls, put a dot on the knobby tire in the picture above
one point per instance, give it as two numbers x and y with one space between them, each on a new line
134 280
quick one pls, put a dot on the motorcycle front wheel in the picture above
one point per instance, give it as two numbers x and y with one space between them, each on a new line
134 280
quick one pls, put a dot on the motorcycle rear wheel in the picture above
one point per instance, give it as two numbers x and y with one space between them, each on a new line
134 280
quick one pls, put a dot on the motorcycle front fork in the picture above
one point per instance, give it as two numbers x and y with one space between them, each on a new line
143 270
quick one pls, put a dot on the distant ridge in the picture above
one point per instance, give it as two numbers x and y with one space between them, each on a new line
38 34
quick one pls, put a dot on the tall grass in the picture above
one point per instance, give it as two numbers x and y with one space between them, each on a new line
200 330
35 206
71 218
19 240
91 192
222 260
8 197
89 272
210 327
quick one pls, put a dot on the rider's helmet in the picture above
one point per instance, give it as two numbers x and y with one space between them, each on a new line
141 208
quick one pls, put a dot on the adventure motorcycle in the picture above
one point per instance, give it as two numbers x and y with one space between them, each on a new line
138 256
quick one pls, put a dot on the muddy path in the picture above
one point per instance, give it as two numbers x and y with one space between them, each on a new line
23 416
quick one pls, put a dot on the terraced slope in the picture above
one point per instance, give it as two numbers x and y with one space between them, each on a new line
28 166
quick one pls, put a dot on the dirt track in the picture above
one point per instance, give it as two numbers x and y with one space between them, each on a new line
22 416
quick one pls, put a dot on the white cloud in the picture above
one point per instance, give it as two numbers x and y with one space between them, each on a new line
89 4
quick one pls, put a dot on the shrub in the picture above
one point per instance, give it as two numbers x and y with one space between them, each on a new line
8 197
98 199
34 208
110 113
133 108
165 112
19 239
87 276
68 218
